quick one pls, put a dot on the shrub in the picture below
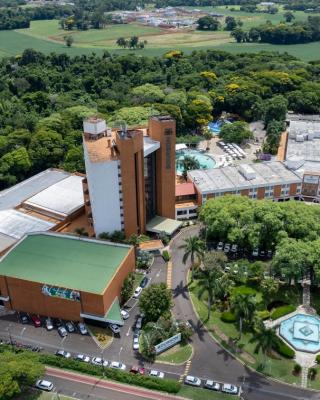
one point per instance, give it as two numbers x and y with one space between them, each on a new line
283 349
166 255
318 359
297 369
265 314
312 373
281 311
228 316
165 385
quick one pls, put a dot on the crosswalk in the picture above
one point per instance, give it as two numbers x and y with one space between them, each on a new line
186 371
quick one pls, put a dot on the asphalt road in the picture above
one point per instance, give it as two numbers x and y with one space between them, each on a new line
210 360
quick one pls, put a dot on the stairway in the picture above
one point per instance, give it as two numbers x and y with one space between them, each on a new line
304 377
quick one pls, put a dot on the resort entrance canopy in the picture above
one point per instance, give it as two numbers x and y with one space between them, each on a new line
112 316
163 225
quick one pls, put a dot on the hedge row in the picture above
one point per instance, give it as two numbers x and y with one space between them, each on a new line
228 316
281 311
164 385
283 349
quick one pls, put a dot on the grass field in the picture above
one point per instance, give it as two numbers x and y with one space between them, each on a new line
176 355
47 36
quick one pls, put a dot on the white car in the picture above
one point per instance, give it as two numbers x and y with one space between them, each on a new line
156 374
192 380
99 361
212 385
63 353
44 385
220 246
83 358
117 365
135 344
139 323
124 314
228 388
82 328
137 292
255 253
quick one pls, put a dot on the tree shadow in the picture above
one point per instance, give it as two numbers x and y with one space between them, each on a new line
181 289
198 329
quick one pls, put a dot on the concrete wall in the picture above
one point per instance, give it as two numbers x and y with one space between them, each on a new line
103 184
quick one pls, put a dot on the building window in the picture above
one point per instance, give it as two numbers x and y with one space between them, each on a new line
182 212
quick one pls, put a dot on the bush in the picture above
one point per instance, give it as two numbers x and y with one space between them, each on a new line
318 359
283 349
166 255
164 385
265 314
297 368
281 311
228 316
312 373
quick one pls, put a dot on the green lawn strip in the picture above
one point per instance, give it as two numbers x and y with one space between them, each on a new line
202 394
276 367
137 279
315 384
176 355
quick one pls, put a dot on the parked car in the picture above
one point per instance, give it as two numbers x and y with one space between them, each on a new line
228 388
57 322
125 314
144 282
255 253
192 380
63 353
212 385
82 358
262 254
49 324
82 328
136 334
135 343
70 327
114 328
99 361
226 248
139 323
44 385
118 365
137 292
24 319
269 254
36 321
234 248
62 331
220 246
135 369
156 374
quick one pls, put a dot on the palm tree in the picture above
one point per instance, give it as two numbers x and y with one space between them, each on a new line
188 163
265 339
209 283
243 305
193 247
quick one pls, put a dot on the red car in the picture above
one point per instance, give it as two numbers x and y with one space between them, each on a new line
36 321
137 370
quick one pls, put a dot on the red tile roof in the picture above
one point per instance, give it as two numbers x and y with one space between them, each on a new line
185 189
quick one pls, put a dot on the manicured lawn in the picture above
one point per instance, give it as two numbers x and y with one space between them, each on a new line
315 384
202 394
47 37
276 366
176 355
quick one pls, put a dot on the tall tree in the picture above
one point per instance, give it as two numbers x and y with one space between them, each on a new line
244 306
193 248
155 301
188 163
265 340
209 285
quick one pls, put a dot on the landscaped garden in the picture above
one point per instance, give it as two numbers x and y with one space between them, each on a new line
238 300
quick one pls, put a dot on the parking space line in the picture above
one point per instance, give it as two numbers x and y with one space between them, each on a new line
169 274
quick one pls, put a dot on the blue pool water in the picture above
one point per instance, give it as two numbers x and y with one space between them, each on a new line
302 332
206 161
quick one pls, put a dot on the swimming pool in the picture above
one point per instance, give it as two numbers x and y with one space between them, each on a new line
302 331
205 161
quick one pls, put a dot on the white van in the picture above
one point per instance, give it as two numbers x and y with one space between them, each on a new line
44 385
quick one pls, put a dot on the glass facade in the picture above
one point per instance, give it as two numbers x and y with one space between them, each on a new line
150 185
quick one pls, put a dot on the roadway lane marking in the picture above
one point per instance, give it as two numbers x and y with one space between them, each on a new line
186 370
169 274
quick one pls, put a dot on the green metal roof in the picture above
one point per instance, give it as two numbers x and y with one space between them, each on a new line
64 261
113 315
162 224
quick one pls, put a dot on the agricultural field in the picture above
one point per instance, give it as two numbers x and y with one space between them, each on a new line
47 36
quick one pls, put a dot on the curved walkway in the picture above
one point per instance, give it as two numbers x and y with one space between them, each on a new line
210 360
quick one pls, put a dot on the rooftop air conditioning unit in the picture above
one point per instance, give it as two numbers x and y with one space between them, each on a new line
299 138
247 171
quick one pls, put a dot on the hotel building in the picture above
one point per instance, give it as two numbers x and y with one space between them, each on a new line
130 176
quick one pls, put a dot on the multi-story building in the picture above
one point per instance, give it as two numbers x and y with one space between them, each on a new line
130 175
268 180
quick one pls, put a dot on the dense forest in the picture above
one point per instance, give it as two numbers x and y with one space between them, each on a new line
45 98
